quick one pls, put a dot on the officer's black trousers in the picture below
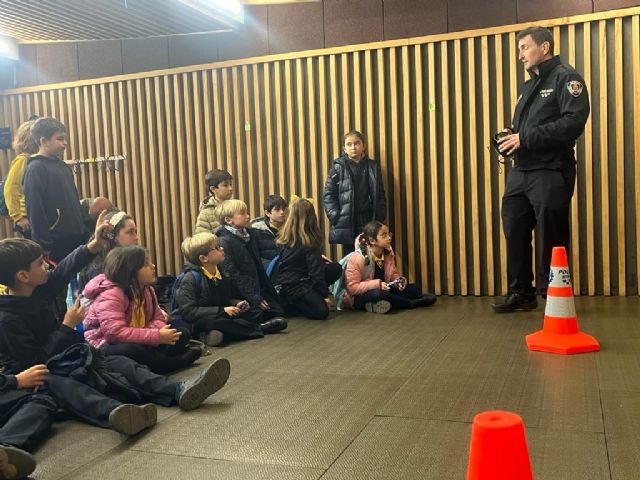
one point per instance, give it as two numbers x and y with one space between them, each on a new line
539 199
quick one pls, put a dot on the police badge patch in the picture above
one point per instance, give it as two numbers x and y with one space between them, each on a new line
575 88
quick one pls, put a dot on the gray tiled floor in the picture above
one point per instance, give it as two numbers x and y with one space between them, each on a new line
366 396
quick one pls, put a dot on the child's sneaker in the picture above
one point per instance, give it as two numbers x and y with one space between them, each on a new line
212 338
381 306
15 463
191 393
131 419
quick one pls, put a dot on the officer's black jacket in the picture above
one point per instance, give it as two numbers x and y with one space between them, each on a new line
550 115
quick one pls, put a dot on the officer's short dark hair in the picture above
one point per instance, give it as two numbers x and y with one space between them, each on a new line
215 177
16 254
46 127
539 35
274 201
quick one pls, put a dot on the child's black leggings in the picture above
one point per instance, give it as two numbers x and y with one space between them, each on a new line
399 299
161 359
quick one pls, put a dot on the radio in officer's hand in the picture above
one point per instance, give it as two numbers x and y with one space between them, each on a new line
496 145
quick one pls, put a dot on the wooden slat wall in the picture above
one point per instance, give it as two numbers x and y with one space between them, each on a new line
427 105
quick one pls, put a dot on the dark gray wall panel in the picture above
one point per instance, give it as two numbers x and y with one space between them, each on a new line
470 14
28 65
99 59
57 62
250 40
295 27
529 11
143 54
349 22
193 49
414 18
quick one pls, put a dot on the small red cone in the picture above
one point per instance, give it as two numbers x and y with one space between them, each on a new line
498 448
560 332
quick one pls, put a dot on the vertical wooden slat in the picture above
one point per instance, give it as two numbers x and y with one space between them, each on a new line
188 111
635 55
588 168
171 99
604 159
200 155
182 181
473 170
407 157
279 157
238 128
396 200
125 95
86 127
357 96
446 161
369 86
421 157
335 132
164 218
487 103
259 134
254 200
268 127
313 139
575 227
620 172
382 123
228 160
219 126
324 138
153 219
302 134
100 113
207 99
433 168
513 83
135 127
460 164
291 136
345 90
151 224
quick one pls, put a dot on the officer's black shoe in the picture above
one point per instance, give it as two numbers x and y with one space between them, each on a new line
516 301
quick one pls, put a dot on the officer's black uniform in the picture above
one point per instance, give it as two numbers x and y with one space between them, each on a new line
549 116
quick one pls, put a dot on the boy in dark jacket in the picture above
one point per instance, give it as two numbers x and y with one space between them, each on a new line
243 267
353 193
203 297
275 214
25 415
30 334
53 206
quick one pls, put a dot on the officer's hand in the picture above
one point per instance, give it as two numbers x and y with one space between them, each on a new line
509 143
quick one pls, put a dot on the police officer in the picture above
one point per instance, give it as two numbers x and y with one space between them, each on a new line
549 116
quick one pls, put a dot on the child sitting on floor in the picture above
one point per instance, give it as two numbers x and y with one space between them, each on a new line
242 265
203 296
372 282
124 317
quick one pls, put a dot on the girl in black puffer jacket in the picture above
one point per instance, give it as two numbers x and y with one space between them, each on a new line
299 275
353 193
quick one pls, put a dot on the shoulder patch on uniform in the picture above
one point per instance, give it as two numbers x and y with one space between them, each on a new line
575 88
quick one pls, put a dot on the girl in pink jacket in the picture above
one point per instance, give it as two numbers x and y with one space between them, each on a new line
372 282
124 317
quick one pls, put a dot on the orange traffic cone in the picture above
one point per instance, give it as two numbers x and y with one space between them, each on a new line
498 448
560 333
